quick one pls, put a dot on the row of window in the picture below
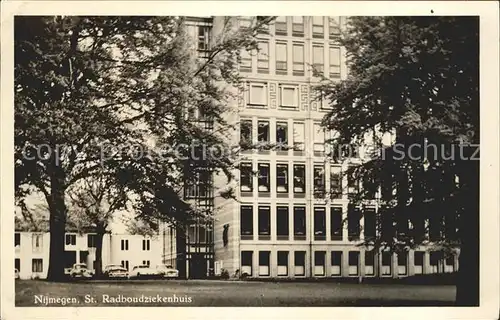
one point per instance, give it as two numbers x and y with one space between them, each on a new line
296 216
284 138
70 240
36 265
336 262
146 244
299 223
322 26
298 183
294 52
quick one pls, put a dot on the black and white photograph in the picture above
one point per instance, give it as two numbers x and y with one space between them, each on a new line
168 159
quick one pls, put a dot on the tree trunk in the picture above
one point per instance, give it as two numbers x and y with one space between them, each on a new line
57 223
98 253
468 273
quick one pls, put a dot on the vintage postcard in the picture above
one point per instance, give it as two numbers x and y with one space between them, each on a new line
262 158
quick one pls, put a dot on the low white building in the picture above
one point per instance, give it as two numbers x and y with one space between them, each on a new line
32 251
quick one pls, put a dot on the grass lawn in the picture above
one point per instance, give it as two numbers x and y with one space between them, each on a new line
233 293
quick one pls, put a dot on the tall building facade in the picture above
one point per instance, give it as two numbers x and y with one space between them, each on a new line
291 217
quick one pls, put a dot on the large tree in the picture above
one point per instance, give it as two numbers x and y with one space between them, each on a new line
415 80
116 92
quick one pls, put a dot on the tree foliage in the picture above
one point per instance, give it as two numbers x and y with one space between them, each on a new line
117 93
416 79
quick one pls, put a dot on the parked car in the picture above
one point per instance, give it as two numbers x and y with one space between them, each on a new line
117 273
106 269
16 274
167 271
143 271
79 270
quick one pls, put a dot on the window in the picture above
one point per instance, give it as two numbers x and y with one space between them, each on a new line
70 239
37 242
125 264
298 136
146 244
246 61
263 132
334 62
336 228
263 169
263 58
246 222
370 224
246 262
319 263
282 178
299 223
246 177
402 263
203 38
198 186
280 26
17 239
370 263
91 240
335 182
353 262
319 181
281 58
318 27
146 262
264 223
282 263
289 97
352 183
434 258
334 27
37 265
319 138
17 264
419 258
124 245
264 259
386 263
258 94
300 263
319 224
318 58
353 224
282 230
282 135
336 262
299 178
298 26
298 59
246 133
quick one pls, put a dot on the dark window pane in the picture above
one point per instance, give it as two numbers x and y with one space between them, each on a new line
336 225
282 221
246 220
264 258
264 221
336 258
299 178
299 223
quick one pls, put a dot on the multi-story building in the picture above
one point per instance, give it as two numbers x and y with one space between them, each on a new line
32 251
288 220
